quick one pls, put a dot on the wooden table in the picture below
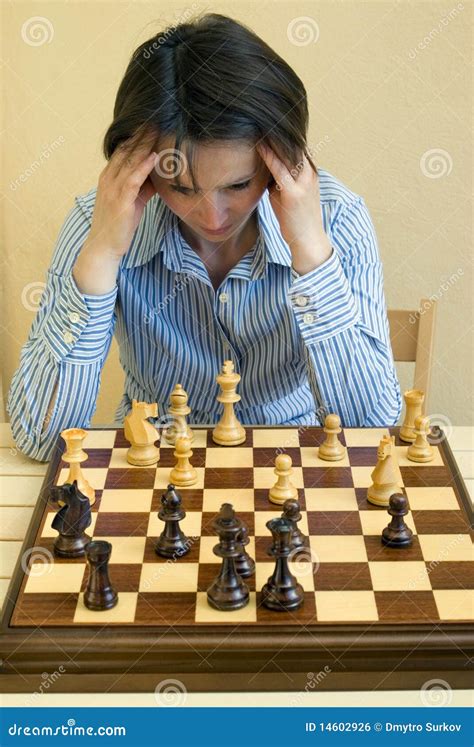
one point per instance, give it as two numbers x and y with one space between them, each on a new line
21 479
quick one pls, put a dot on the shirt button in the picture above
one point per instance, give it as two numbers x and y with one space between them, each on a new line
74 317
301 300
223 297
309 318
68 337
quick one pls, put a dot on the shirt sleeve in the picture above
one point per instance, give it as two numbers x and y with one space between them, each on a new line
67 345
341 313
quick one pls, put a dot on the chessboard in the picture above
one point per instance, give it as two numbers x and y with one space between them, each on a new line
373 615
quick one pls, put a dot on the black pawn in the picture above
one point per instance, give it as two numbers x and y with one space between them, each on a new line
397 534
282 590
172 541
228 591
99 594
244 564
292 512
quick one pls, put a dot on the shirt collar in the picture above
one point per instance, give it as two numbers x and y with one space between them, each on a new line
158 231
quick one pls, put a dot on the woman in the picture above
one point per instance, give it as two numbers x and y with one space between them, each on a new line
211 235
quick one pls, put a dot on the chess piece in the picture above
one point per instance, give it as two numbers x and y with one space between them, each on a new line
331 450
183 473
282 590
386 477
397 534
71 520
74 456
178 410
244 564
228 431
414 399
283 489
172 542
228 591
142 434
292 513
99 594
421 450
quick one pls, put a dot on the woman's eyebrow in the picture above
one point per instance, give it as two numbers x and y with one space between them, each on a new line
223 186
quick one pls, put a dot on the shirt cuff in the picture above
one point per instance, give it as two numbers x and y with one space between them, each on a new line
76 319
322 301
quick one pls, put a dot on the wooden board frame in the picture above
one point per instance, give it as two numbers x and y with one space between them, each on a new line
272 658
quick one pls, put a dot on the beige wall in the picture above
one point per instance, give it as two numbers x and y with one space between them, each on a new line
388 90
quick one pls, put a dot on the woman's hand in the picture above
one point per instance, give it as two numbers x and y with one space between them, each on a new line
295 199
122 193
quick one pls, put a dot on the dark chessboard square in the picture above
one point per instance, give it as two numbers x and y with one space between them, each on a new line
191 500
208 572
120 440
342 577
248 440
261 546
377 551
440 522
165 608
395 431
45 609
304 615
265 457
241 477
150 556
208 517
116 524
134 477
362 456
406 606
47 545
96 458
123 576
426 476
327 477
451 574
334 522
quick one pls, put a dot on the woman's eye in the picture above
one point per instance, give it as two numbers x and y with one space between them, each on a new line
242 185
184 191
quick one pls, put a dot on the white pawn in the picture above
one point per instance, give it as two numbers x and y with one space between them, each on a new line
331 450
283 489
421 450
179 410
183 473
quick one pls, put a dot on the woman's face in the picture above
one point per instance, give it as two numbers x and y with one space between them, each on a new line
231 178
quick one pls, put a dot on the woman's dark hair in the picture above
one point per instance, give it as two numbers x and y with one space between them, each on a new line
210 79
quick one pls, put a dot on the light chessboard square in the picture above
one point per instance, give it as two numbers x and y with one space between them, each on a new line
344 606
123 612
54 577
207 614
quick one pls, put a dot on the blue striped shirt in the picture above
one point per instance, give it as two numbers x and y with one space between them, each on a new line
304 345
